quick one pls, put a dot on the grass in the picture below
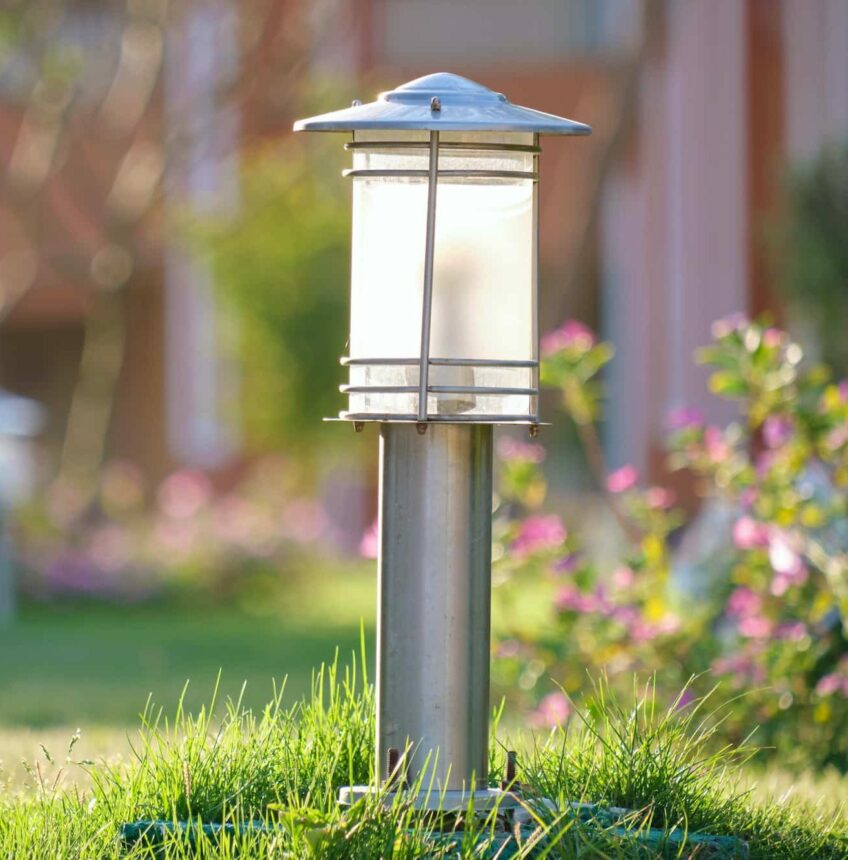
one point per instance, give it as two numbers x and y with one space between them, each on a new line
248 759
95 666
282 766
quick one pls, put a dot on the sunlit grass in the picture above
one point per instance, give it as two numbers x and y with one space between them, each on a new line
281 766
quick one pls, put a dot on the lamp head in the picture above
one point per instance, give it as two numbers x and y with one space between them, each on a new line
444 253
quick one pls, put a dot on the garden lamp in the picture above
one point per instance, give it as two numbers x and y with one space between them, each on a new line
443 345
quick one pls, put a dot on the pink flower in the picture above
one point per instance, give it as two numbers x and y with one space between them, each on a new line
750 534
184 493
783 557
829 684
837 437
622 479
782 582
755 627
686 698
552 710
791 631
743 667
659 498
727 325
777 430
717 449
570 334
773 337
370 543
747 497
568 563
843 390
510 449
645 631
539 533
571 599
623 577
743 603
684 417
627 616
507 649
764 462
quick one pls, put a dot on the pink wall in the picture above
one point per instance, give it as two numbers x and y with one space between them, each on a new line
674 224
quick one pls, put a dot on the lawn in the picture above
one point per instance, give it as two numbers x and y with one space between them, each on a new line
97 665
262 785
95 668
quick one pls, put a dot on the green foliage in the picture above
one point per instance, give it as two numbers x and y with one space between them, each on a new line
269 780
282 267
813 257
772 620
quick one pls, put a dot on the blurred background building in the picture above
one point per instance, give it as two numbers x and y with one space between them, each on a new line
118 122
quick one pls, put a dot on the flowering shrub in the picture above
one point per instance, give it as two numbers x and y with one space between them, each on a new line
772 622
190 538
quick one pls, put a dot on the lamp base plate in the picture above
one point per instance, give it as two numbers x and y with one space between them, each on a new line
434 799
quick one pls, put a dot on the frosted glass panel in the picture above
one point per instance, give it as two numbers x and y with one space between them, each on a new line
484 292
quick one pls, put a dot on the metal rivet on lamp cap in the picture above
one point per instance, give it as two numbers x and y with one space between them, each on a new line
435 104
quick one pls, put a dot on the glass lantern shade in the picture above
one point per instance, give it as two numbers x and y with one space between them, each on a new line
483 337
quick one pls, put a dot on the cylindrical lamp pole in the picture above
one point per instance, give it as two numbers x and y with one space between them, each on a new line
443 345
434 601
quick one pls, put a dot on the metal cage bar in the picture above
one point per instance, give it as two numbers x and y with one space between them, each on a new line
458 418
429 252
481 390
347 361
447 174
444 145
437 389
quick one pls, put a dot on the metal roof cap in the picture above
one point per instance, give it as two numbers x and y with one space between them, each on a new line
442 102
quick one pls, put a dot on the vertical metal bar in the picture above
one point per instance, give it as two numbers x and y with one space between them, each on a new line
429 250
536 356
433 631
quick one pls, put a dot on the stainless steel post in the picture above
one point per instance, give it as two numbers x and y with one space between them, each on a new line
434 601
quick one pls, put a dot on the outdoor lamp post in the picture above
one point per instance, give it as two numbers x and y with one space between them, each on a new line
443 345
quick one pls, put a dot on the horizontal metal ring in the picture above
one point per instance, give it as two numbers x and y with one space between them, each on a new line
437 419
346 361
424 144
457 174
437 389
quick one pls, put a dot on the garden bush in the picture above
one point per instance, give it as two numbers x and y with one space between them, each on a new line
134 542
770 621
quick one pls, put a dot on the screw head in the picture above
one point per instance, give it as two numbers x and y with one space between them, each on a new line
435 104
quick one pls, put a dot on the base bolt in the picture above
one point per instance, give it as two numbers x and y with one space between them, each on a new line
511 770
